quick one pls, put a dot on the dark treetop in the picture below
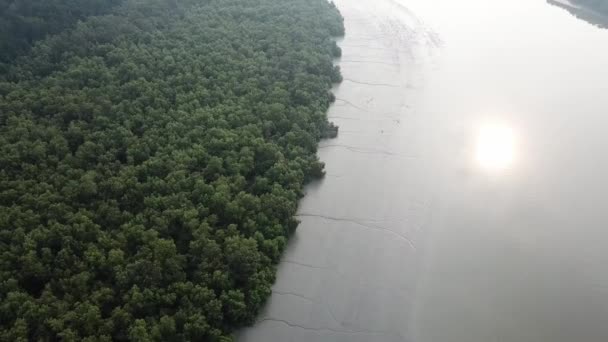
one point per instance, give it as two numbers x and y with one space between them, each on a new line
23 22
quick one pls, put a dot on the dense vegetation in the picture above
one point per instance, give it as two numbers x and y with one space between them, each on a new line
592 11
22 22
151 160
600 6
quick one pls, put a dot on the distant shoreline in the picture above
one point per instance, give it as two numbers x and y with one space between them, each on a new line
565 3
585 13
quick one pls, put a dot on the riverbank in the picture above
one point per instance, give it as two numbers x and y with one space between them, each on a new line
338 279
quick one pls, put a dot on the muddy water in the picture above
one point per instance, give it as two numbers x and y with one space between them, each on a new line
465 197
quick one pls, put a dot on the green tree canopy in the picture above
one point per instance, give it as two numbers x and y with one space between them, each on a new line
151 163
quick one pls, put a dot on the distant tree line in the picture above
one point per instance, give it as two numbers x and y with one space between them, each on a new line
151 161
600 6
594 12
23 22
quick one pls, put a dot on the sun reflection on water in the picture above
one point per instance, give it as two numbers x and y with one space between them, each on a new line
495 147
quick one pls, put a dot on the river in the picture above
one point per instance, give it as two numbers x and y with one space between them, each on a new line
466 195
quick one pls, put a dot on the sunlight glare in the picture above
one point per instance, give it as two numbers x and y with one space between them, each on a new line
495 147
